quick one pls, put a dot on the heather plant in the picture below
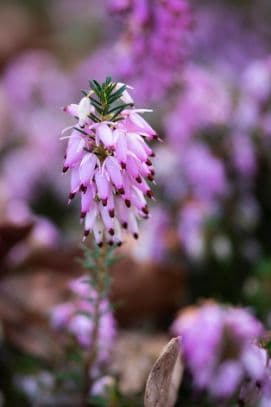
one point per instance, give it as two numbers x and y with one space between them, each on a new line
213 173
109 161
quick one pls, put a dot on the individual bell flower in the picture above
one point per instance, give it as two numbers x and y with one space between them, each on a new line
110 161
125 97
82 110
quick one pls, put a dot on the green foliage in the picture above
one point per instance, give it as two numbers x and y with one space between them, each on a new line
106 100
114 399
258 288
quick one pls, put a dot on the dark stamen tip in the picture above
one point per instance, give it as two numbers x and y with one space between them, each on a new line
65 169
123 165
100 244
104 202
86 233
258 385
125 225
121 191
127 203
111 232
119 244
139 179
135 235
148 162
111 213
82 215
145 210
83 188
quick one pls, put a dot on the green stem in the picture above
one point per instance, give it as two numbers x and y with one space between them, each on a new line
92 354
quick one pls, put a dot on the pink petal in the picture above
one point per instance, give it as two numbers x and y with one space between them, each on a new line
107 220
87 201
91 219
121 147
105 134
75 182
75 149
87 168
136 147
102 186
114 170
72 109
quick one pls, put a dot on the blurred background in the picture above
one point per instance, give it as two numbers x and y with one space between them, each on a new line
205 69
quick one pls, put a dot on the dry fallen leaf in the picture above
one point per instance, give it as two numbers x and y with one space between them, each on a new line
165 377
133 357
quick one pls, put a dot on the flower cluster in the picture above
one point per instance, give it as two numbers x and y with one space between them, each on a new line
219 348
75 318
154 44
28 143
218 136
109 160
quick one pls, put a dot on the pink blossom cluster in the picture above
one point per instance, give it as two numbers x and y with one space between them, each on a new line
154 43
217 132
219 348
109 161
223 37
29 144
75 317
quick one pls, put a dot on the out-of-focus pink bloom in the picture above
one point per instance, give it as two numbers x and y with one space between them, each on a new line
37 109
102 386
192 219
254 93
204 173
153 47
204 102
109 162
75 318
152 243
225 23
256 80
218 345
243 155
61 314
258 392
44 234
26 90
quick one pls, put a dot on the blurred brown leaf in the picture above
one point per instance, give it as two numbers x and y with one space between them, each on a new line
165 377
146 291
10 235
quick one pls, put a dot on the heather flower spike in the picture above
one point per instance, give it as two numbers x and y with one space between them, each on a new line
109 160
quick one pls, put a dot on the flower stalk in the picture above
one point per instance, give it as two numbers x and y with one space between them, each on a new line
99 280
110 166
